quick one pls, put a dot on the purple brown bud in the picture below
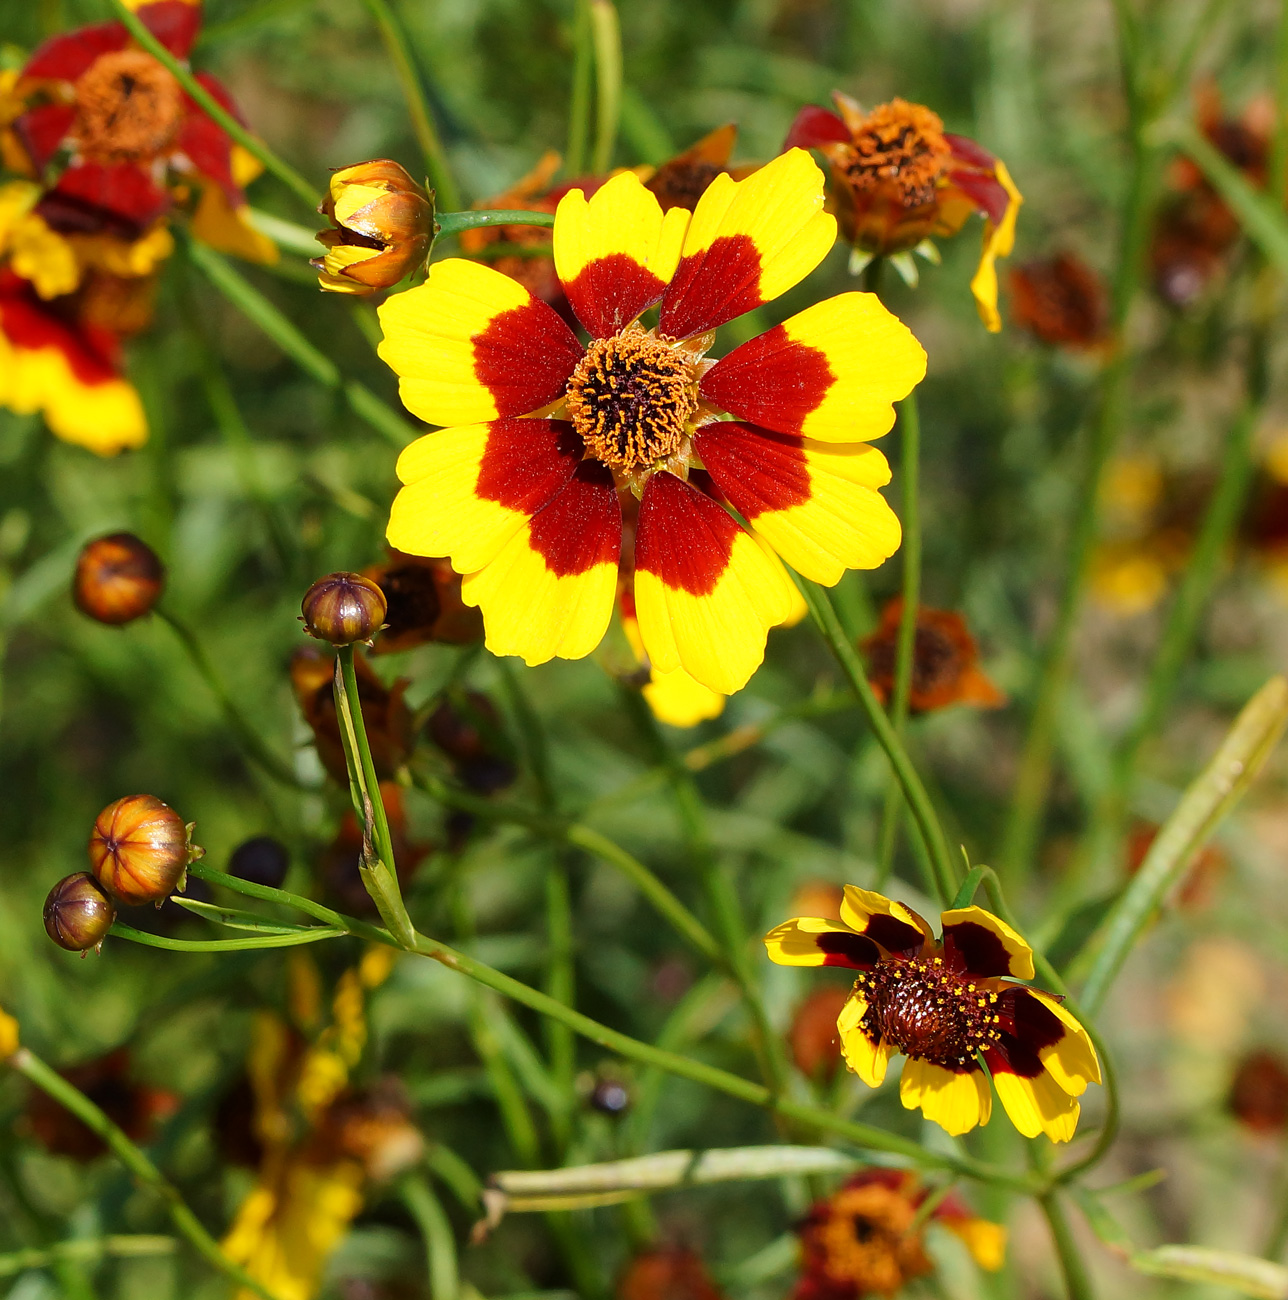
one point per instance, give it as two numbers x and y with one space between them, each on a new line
78 914
343 608
140 849
384 226
118 578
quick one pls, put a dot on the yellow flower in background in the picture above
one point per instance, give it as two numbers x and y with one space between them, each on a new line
566 465
8 1034
948 1004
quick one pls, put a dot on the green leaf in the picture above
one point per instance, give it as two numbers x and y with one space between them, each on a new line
236 919
1243 1273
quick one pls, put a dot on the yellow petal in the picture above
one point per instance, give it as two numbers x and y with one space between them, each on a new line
867 1059
998 242
1072 1061
957 1102
1038 1105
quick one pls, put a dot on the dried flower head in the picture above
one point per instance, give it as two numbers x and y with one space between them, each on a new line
384 228
343 608
1061 301
667 1273
338 867
945 661
78 914
467 728
140 849
423 603
118 578
1259 1092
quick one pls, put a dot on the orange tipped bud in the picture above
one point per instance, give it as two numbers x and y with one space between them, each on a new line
343 608
140 849
78 914
118 578
384 227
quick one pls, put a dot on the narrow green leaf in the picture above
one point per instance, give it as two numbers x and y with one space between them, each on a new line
312 934
1242 1273
236 919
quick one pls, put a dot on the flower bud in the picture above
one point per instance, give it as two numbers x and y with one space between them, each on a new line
262 861
384 228
140 849
78 914
118 578
343 608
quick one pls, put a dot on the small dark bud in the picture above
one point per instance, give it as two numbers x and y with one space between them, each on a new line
262 861
78 914
118 579
140 849
384 226
610 1097
343 608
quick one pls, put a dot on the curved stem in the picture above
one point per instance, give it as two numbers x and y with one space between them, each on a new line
583 60
944 873
314 934
1076 1280
215 110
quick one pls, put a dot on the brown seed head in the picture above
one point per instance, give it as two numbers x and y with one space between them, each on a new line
78 914
118 578
343 608
1259 1093
129 108
384 227
140 848
423 595
630 398
1061 301
667 1273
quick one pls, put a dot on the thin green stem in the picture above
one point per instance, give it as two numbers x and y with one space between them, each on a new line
1277 1235
910 463
606 35
1077 1282
312 935
436 1231
381 874
1277 164
452 223
943 880
422 120
67 1095
583 61
249 739
215 110
85 1249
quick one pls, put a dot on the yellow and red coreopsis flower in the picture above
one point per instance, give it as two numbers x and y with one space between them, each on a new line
128 128
865 1239
899 179
566 463
951 1007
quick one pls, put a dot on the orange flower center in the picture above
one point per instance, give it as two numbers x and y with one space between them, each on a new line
631 398
129 107
865 1240
900 149
928 1011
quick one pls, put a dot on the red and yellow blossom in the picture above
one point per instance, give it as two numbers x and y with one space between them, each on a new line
951 1006
867 1237
56 361
567 463
899 179
133 139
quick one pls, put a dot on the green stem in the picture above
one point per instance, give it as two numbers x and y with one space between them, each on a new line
861 1135
1277 1237
1076 1280
71 1098
256 750
606 34
422 121
379 876
452 223
1277 164
313 935
85 1249
255 307
910 462
579 104
944 873
436 1230
214 110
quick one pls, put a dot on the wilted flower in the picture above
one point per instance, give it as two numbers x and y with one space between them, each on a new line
1061 301
467 728
423 598
946 1004
132 1107
140 849
899 179
384 226
1259 1092
945 661
814 1039
78 914
667 1273
863 1239
118 578
343 608
384 712
538 512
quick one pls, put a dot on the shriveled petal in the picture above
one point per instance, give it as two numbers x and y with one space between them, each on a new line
816 503
1038 1105
615 252
816 941
471 344
894 926
979 943
867 1059
705 593
956 1101
830 372
999 239
748 242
